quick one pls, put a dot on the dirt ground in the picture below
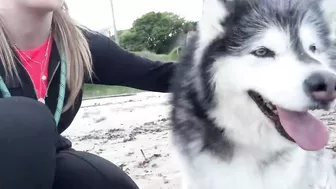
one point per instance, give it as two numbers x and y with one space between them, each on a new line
133 133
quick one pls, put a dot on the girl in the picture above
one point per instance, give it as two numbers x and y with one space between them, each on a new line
44 60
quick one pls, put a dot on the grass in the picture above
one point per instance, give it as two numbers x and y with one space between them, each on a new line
91 90
158 57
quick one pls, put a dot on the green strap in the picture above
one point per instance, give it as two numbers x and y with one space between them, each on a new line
61 94
4 89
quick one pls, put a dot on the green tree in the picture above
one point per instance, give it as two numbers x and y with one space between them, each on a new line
155 31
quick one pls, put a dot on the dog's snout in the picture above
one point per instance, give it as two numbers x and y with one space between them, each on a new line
321 86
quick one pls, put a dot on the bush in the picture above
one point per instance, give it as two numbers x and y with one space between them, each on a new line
156 32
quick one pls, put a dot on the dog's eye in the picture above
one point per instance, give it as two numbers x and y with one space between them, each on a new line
313 48
263 52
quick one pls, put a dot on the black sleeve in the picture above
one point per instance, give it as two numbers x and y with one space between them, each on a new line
112 65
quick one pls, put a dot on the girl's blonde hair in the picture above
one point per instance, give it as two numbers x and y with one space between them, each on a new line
68 37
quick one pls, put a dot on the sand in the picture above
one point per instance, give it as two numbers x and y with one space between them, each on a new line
133 133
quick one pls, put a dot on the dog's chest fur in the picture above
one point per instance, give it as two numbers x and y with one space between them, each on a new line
296 170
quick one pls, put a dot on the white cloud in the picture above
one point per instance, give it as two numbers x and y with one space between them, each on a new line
96 14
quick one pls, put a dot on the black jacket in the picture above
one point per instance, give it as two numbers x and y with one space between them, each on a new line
112 66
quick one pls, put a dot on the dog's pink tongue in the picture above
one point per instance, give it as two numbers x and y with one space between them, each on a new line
307 131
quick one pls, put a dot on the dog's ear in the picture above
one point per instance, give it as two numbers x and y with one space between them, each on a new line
329 10
214 14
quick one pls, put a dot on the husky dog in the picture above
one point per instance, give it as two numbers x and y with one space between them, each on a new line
242 94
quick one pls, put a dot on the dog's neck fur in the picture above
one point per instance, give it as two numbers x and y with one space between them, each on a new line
246 125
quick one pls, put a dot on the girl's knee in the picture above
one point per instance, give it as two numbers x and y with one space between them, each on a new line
85 170
25 119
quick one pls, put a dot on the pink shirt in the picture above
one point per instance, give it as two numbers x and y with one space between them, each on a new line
36 65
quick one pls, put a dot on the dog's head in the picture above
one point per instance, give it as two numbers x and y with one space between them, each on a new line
279 53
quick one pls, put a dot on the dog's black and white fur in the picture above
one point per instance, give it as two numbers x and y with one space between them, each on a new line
222 137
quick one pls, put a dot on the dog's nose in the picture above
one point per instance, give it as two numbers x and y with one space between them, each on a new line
321 86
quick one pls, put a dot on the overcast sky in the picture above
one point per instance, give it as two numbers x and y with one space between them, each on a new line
96 14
